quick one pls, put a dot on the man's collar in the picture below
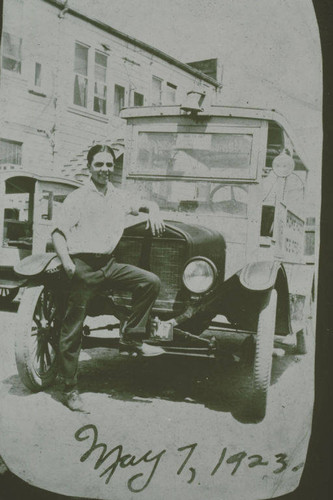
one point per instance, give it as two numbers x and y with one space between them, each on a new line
110 187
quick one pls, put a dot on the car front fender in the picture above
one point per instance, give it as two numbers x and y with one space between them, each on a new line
35 264
241 297
260 276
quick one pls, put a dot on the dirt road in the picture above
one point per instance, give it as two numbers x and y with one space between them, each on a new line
168 428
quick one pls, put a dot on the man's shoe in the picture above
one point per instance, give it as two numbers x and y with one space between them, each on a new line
139 348
73 401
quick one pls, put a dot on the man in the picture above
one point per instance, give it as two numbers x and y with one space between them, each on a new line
87 231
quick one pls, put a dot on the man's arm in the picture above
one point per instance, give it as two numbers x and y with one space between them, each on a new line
65 219
61 248
154 221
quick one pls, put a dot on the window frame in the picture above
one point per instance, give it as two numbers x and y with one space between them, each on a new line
76 74
171 95
135 93
156 78
89 109
104 83
122 86
40 90
252 170
9 56
40 85
14 142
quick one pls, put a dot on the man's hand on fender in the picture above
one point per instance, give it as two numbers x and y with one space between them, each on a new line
155 223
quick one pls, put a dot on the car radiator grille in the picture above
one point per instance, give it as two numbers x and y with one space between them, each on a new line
164 257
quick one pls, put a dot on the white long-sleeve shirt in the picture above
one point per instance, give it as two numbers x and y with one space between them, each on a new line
93 222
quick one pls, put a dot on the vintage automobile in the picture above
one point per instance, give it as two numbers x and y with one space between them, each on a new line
231 188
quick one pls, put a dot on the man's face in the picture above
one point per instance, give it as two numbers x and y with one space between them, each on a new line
101 168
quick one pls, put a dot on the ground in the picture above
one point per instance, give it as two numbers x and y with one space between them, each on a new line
161 411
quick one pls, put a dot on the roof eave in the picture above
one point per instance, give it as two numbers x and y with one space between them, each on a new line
137 43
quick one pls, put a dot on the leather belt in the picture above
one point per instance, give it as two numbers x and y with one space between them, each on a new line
96 255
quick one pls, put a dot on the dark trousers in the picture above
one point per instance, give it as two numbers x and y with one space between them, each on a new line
93 273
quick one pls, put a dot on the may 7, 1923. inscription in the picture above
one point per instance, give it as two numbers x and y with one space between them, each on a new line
112 458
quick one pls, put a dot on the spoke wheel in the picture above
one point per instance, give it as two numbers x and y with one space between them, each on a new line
8 294
37 338
264 355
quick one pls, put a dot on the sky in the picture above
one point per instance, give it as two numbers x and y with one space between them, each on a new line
269 50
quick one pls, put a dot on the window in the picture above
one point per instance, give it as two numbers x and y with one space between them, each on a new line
156 98
138 99
50 204
194 154
310 239
170 93
18 212
100 88
267 220
37 78
90 75
38 75
81 75
11 52
119 99
10 152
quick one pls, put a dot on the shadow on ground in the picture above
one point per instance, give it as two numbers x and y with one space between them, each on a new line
223 384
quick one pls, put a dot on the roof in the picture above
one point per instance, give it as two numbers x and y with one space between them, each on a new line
145 46
19 172
214 110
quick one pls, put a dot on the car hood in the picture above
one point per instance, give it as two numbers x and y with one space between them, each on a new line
200 240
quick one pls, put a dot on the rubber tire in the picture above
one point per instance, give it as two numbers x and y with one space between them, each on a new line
305 337
264 355
302 339
23 338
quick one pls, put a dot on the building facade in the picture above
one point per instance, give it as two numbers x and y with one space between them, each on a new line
65 78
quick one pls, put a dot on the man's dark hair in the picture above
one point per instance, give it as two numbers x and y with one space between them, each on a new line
99 148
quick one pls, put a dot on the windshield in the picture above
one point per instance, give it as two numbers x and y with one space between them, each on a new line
199 197
211 155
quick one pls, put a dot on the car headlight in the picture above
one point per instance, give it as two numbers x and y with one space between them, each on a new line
199 275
